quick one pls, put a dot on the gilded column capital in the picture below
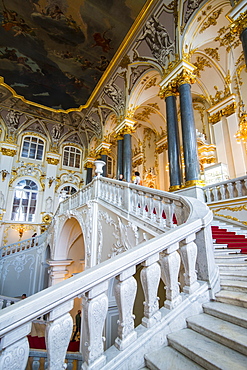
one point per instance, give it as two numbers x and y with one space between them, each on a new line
118 136
125 127
169 90
239 24
185 77
103 149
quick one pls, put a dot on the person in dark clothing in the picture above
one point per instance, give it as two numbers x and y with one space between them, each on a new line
77 324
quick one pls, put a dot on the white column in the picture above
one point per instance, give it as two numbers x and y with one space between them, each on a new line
58 270
220 143
237 148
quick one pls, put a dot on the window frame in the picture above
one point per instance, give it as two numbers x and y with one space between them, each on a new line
73 151
32 147
27 201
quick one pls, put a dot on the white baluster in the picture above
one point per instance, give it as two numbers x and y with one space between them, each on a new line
239 187
36 363
125 292
230 189
57 335
215 193
188 251
95 306
170 264
150 279
222 191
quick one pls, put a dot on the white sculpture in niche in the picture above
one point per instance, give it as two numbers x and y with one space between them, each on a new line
48 204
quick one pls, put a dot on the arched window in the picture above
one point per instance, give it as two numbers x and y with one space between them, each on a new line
25 201
66 191
32 148
71 157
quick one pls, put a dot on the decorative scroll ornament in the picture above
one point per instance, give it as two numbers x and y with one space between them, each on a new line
211 21
54 161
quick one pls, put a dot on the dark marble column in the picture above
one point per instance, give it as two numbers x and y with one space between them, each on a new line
120 169
243 38
191 161
104 158
127 157
173 143
89 175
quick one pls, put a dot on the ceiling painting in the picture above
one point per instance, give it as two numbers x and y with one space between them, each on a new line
54 52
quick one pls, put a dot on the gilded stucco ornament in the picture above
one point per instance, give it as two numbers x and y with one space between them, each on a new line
8 152
46 219
239 24
53 161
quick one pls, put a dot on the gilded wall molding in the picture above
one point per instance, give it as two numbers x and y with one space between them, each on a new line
227 111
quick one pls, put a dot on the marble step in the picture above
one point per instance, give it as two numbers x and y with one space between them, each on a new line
205 351
167 358
234 275
234 285
234 314
216 246
221 331
230 297
232 266
225 251
230 258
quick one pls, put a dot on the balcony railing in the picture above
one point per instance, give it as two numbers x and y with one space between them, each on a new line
187 248
234 188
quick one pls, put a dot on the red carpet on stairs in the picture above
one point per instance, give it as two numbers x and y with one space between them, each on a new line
39 343
234 241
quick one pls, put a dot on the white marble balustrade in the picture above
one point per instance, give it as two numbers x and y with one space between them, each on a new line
234 188
187 247
23 245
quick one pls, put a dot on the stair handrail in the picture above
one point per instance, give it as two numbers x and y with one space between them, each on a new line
188 239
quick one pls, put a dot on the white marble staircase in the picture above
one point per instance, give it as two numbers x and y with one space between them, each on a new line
217 338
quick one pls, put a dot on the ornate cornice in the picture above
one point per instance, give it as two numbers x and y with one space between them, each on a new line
227 111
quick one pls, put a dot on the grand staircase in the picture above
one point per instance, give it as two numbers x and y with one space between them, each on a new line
217 338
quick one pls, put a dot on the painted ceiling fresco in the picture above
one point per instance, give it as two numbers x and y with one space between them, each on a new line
54 52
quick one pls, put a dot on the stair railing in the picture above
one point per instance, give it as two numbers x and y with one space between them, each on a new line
22 245
187 247
229 189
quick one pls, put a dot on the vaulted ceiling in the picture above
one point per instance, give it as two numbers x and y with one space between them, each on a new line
54 52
